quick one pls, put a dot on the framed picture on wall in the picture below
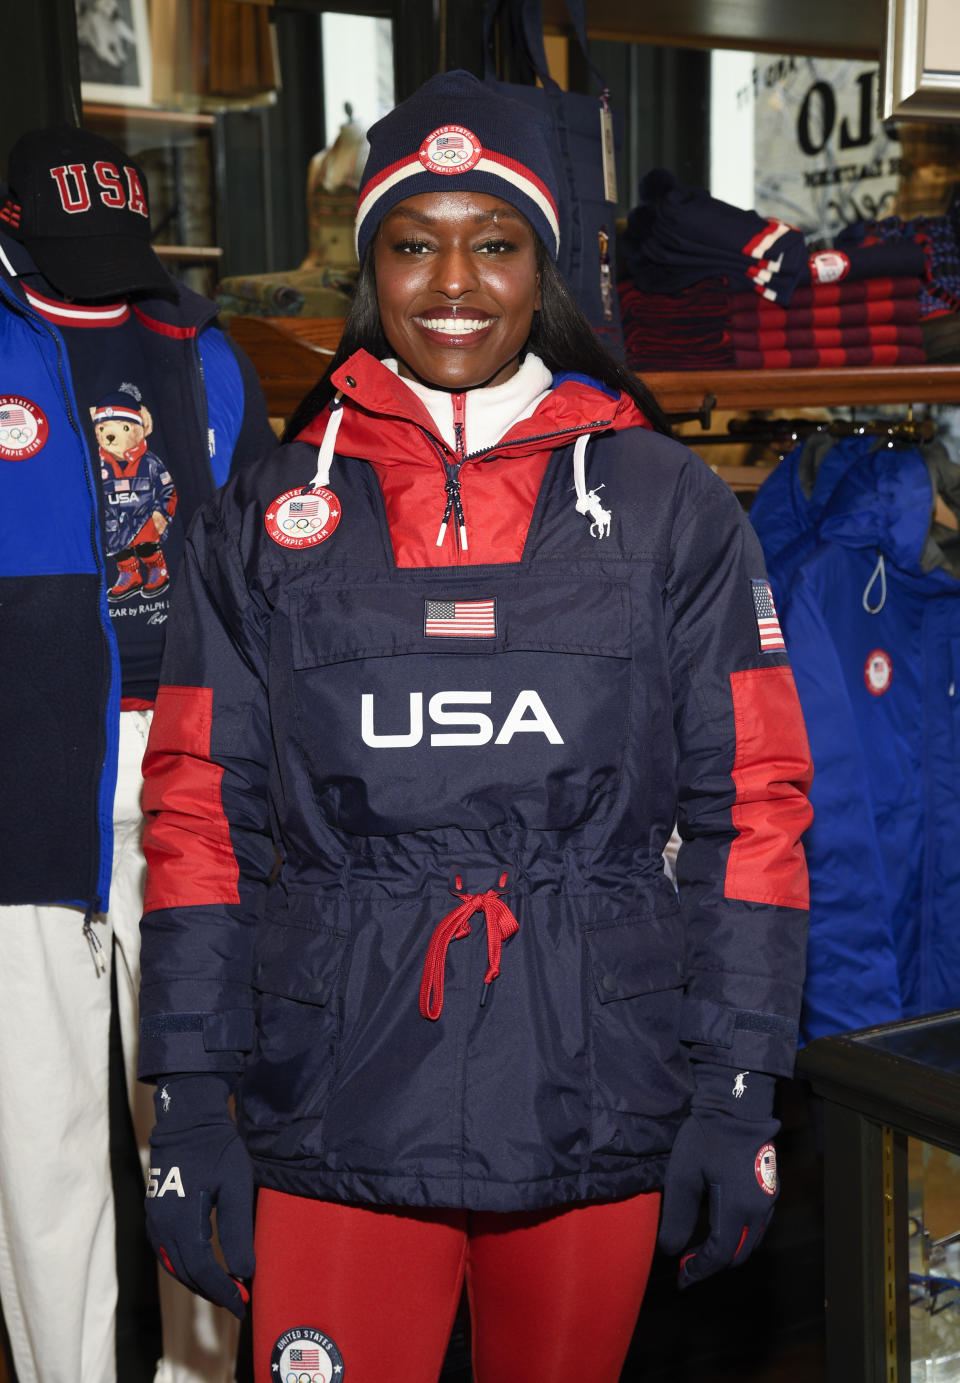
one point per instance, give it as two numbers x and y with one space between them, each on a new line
114 41
921 60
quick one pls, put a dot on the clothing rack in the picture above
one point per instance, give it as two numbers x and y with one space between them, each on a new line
762 436
786 432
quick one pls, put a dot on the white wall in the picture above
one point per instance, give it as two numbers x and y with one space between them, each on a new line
357 67
732 103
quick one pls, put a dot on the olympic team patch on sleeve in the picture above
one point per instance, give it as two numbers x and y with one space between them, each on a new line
768 626
304 1355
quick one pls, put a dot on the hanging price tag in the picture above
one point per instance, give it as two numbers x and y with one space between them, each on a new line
609 155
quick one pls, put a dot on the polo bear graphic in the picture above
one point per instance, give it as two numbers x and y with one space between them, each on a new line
139 495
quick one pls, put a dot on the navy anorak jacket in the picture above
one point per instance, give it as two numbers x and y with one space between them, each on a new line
408 804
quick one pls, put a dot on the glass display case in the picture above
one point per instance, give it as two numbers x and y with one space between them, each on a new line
891 1100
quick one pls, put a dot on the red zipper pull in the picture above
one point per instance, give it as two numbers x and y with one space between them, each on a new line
460 423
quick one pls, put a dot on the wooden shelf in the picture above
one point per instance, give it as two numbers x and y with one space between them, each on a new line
684 391
290 353
852 29
106 115
189 254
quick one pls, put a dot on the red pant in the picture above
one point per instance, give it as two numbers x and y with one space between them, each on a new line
553 1295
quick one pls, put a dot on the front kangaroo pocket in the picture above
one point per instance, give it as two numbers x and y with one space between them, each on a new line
462 700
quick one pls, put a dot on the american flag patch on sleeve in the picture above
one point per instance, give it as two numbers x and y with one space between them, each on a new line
460 619
768 626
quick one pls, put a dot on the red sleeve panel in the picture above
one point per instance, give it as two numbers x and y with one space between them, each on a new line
190 858
772 773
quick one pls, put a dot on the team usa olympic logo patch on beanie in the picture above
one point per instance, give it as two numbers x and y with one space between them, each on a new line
304 1355
450 149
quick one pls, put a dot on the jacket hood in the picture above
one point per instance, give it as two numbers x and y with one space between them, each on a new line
382 409
886 502
790 503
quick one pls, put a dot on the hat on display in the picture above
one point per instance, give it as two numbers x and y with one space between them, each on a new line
79 204
456 134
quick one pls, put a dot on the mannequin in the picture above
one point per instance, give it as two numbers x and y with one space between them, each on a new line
108 423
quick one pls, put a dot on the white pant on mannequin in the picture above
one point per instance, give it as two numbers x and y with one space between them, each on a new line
58 1279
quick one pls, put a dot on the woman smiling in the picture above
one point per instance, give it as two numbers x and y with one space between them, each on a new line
479 629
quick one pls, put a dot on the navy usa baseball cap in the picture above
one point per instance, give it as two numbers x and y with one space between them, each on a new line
79 204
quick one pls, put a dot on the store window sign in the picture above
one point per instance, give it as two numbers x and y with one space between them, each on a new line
823 159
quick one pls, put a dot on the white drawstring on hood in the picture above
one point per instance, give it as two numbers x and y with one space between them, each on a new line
881 571
588 501
325 455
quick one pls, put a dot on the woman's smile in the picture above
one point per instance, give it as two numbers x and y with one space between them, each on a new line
454 325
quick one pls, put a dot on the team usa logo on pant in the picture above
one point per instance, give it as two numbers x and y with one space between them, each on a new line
299 518
304 1355
23 428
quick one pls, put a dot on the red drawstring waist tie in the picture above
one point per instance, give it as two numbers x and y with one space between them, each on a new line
501 924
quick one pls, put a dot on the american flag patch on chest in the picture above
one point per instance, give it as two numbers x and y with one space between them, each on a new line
460 619
768 626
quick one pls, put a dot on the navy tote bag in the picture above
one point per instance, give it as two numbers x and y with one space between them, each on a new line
581 124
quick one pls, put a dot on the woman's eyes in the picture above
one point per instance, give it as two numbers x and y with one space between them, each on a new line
491 247
497 247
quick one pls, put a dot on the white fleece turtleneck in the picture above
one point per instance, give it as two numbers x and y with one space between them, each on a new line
490 412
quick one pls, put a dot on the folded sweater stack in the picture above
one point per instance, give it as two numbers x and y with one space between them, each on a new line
831 325
827 325
713 287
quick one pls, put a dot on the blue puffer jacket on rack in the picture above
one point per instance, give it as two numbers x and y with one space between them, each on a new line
872 622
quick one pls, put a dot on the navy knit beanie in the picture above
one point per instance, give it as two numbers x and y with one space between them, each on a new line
455 134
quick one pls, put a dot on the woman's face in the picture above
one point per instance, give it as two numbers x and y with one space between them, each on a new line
457 287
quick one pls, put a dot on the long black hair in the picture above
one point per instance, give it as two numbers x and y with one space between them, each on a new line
559 334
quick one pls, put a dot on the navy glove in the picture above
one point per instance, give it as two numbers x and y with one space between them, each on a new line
198 1161
724 1148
